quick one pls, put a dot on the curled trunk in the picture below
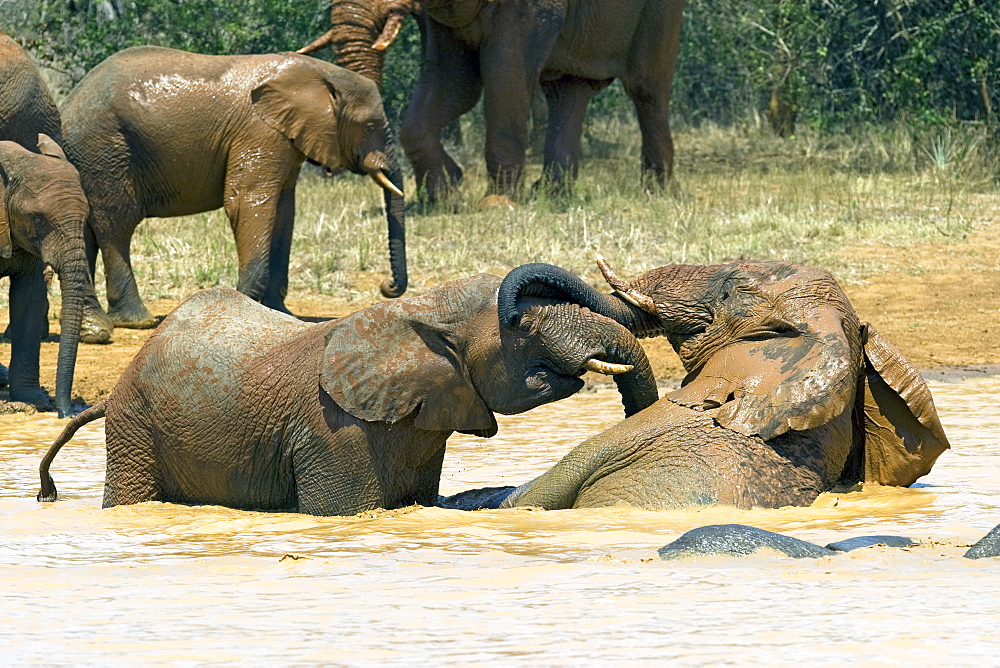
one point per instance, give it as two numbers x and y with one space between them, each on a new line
356 28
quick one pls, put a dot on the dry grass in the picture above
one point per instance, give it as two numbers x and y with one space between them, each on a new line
744 193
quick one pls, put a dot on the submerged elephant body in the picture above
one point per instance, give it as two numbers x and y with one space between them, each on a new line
787 395
160 132
232 403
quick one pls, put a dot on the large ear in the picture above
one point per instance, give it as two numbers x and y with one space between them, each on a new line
298 101
903 436
48 146
6 248
788 382
396 358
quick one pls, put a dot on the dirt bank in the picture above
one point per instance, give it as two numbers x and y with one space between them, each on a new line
940 304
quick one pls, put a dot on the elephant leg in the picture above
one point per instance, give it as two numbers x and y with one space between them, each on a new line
28 304
648 83
125 306
262 226
449 86
567 98
96 326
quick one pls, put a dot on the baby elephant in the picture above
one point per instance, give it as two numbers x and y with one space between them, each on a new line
235 404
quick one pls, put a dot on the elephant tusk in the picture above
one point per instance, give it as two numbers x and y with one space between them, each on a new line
607 368
633 297
380 178
389 33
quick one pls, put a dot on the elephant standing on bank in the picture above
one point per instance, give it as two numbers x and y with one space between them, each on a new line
42 214
159 132
502 50
787 394
233 404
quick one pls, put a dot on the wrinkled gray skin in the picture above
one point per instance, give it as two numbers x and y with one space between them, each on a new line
787 395
233 404
42 214
26 106
159 132
502 51
988 545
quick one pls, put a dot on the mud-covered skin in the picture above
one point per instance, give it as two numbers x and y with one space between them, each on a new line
738 540
788 394
26 106
160 132
235 404
42 215
502 51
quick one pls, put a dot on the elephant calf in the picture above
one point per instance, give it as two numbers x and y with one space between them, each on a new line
234 404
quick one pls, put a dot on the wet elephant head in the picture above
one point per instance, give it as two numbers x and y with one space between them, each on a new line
769 347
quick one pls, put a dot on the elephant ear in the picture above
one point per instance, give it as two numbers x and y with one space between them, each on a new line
398 358
903 436
48 146
6 247
298 101
765 388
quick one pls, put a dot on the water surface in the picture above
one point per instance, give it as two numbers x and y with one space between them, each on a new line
166 583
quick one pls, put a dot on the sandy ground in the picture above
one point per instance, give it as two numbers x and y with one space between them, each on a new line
940 304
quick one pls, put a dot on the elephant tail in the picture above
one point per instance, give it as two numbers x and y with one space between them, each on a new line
48 490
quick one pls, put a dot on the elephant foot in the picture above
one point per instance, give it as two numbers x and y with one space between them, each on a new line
33 396
96 328
139 318
4 377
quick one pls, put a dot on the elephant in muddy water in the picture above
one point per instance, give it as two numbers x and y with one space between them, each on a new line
42 214
233 404
787 394
502 51
159 132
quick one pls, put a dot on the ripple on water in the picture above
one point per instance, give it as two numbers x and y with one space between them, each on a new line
518 585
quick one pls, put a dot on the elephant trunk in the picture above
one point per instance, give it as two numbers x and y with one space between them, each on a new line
550 282
74 281
396 218
638 386
353 37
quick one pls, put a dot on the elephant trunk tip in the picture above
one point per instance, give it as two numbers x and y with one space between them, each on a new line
391 288
48 492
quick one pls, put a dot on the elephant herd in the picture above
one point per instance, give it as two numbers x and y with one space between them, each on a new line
233 401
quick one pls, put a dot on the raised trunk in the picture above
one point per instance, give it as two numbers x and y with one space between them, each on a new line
355 30
73 283
554 283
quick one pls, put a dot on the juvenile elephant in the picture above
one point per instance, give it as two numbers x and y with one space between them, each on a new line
42 214
159 132
230 403
503 50
787 394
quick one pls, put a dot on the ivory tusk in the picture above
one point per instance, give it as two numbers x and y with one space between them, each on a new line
389 33
380 178
607 368
633 297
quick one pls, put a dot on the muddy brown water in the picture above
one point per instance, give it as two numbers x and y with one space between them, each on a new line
167 583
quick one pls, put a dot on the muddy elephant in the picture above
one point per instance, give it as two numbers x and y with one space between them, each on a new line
787 394
42 218
502 51
159 132
26 106
233 404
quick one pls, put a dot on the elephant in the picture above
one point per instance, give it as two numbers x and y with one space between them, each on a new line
42 217
787 394
160 132
232 404
26 106
503 50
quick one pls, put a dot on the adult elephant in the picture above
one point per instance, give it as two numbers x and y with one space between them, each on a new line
159 132
503 50
787 394
26 106
232 404
42 214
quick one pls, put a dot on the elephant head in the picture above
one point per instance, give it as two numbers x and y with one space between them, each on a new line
336 119
43 215
771 347
362 31
444 355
